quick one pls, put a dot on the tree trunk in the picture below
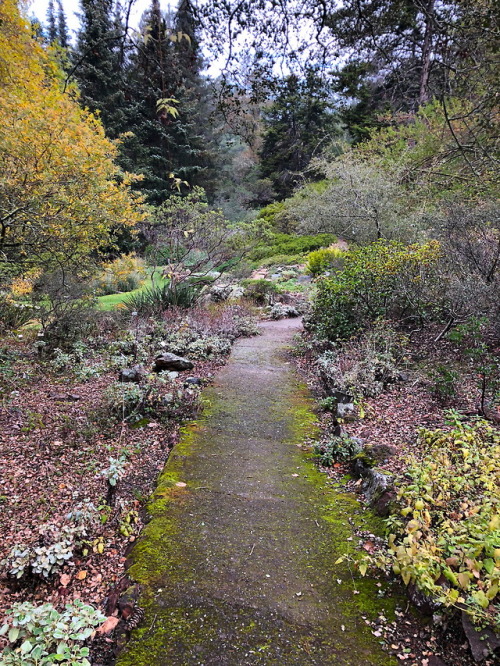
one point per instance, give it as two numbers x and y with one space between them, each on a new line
426 54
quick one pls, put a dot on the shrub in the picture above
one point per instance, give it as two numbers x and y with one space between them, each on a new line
154 300
260 291
363 368
13 313
291 244
123 400
444 384
41 635
320 261
386 279
123 274
337 448
445 538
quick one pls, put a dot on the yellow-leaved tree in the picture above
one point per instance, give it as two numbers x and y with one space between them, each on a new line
61 194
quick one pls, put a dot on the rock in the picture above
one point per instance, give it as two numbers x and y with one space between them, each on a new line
346 411
193 381
304 279
172 375
483 642
237 292
134 374
281 311
375 482
380 452
168 361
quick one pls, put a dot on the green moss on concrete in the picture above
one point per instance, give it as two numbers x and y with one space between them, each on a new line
185 616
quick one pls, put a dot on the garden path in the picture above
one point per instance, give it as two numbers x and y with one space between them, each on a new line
237 566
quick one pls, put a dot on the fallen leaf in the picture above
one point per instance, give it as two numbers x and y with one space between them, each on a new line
81 574
108 625
369 546
65 579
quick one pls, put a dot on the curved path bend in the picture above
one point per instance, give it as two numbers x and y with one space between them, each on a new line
237 566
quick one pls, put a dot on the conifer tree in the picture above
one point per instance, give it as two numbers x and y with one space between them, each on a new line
62 27
97 61
51 23
298 124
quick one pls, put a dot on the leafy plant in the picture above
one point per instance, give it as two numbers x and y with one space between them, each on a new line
41 635
115 471
156 299
337 448
446 537
322 260
385 279
260 291
444 382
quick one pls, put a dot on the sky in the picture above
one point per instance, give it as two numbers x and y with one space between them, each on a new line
38 8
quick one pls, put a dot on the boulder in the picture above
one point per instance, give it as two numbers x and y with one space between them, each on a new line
192 381
168 361
133 375
484 642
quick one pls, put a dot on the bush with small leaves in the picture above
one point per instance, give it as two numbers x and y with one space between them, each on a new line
41 635
445 534
123 400
323 260
363 368
337 448
385 279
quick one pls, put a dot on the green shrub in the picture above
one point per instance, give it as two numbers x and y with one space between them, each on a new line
41 635
121 275
444 383
154 300
337 448
385 279
320 261
260 291
446 537
287 244
13 313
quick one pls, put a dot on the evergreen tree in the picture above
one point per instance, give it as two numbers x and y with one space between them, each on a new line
97 64
298 124
164 97
62 27
51 23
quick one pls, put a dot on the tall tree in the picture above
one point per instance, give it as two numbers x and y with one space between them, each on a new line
299 123
62 26
97 62
51 22
61 194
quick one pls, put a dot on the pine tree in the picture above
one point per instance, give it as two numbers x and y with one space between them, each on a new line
297 125
51 23
62 27
97 62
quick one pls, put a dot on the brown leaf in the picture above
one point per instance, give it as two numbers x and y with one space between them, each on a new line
108 625
65 579
369 546
81 574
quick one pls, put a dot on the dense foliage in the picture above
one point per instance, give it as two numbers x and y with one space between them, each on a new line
445 536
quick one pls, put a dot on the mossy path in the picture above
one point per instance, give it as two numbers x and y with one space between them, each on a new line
237 565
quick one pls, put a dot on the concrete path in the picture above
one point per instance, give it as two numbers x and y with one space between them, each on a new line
237 563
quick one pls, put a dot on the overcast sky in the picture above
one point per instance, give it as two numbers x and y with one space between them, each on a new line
38 8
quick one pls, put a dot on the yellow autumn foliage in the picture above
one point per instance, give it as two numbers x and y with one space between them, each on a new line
60 191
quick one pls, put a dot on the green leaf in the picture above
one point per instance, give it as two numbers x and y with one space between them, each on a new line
13 633
26 647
